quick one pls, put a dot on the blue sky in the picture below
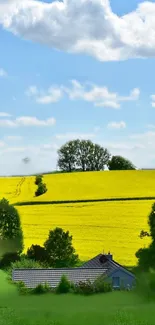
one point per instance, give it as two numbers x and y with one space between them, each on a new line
76 70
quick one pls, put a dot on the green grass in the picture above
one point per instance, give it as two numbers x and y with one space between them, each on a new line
116 308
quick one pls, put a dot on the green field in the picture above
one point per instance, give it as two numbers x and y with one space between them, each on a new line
116 308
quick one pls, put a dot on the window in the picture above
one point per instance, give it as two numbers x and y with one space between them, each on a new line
116 282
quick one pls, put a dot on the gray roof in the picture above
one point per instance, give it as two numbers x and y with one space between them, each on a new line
33 277
109 264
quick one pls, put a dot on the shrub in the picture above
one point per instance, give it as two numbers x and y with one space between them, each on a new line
7 259
85 288
41 289
22 289
37 253
64 285
41 189
26 263
38 179
101 286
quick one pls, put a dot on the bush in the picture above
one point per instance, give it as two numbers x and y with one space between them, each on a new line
64 285
85 288
41 189
101 286
37 253
22 289
41 289
38 179
9 258
26 263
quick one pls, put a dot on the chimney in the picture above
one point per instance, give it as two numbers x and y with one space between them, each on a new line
109 256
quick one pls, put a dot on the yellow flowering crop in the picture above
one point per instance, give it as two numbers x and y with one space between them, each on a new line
93 185
113 226
17 189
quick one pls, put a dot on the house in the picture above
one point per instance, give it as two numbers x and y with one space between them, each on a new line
102 264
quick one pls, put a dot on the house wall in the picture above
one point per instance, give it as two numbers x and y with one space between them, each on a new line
125 278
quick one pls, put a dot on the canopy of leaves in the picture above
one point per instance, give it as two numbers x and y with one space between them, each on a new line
82 155
10 228
37 253
120 163
59 249
146 256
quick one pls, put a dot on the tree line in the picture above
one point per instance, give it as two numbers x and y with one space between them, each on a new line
84 155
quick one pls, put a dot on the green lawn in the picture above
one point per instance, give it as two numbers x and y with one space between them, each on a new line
117 308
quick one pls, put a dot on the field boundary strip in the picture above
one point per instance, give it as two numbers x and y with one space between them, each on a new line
84 201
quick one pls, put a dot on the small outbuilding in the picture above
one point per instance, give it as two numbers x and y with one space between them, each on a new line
102 264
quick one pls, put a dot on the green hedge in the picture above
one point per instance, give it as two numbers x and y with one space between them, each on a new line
85 201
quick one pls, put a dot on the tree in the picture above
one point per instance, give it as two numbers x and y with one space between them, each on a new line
37 253
120 163
83 155
38 179
68 156
59 249
146 256
41 189
11 235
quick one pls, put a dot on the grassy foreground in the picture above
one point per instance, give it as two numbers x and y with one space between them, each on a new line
116 308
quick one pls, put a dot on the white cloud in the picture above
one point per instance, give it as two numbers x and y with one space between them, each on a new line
83 27
3 73
52 95
73 136
4 114
98 95
33 121
116 125
27 121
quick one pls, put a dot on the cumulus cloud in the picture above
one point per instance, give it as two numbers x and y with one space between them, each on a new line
83 26
52 95
27 121
116 125
89 92
3 73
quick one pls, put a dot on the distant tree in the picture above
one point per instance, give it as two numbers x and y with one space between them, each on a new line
68 156
59 249
38 179
82 155
11 235
37 253
41 189
120 163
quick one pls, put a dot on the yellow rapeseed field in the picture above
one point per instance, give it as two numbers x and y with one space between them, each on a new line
76 186
94 185
17 189
113 226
